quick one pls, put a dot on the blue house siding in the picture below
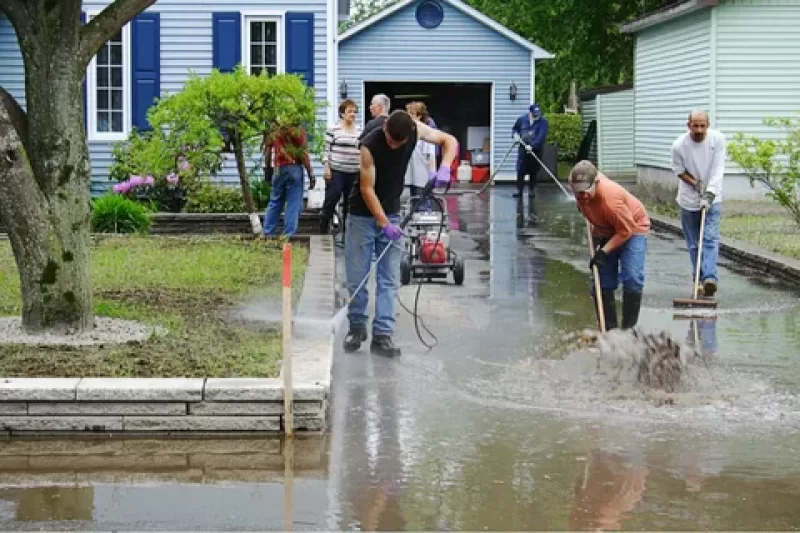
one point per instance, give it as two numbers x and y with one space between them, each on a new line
185 44
461 49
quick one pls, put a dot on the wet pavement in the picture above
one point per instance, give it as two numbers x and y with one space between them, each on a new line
497 427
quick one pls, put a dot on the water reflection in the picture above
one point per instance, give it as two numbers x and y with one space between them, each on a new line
607 488
703 335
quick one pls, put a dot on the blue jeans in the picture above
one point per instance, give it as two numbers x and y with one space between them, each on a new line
364 237
287 188
625 265
690 220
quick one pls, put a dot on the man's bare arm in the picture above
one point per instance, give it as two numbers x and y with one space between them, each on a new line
367 187
448 143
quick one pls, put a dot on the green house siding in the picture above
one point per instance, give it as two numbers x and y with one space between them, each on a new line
672 65
757 64
588 114
615 132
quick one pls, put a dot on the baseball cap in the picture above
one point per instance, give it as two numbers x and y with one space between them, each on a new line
534 108
582 176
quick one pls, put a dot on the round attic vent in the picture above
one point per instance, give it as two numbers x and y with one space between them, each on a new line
429 14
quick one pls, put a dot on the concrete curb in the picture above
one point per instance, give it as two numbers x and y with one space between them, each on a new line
197 405
785 268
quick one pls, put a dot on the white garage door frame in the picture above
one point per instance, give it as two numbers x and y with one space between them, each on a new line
365 105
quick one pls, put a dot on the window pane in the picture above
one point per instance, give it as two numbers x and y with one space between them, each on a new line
102 99
102 55
255 70
102 77
116 76
102 121
271 31
116 54
272 55
272 71
116 121
116 99
256 32
256 54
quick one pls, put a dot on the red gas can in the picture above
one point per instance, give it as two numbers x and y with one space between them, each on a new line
432 252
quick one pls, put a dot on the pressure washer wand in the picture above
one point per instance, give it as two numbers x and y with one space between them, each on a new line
560 186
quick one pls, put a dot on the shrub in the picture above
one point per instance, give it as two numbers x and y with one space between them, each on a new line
261 191
565 131
210 198
113 213
774 163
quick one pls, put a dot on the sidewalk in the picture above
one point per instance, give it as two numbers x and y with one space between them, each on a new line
782 267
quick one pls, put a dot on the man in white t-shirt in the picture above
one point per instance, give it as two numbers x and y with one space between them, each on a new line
698 159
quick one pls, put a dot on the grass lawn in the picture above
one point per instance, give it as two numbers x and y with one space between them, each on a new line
188 286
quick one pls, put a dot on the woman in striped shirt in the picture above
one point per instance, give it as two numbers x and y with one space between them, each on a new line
341 162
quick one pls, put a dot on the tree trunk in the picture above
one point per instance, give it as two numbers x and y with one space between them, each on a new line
247 194
44 190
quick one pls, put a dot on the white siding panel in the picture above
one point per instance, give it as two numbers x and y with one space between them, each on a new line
758 65
672 76
461 49
615 132
186 44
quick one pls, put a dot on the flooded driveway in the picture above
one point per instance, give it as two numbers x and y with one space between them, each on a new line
498 427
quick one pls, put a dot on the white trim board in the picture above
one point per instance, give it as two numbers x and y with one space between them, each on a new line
539 53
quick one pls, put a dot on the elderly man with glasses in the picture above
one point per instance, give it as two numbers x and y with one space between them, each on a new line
620 225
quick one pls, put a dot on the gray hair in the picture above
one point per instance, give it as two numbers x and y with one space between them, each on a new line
383 101
583 172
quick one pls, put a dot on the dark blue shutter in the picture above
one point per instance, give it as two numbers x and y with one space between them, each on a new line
227 39
300 45
146 68
85 102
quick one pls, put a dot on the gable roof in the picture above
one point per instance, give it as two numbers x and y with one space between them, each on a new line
538 53
667 13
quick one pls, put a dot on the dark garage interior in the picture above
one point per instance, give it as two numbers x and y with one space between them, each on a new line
455 107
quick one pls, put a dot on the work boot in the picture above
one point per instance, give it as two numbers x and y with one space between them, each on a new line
383 345
610 309
709 288
631 303
354 338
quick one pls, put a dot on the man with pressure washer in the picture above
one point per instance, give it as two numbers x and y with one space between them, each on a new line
620 225
698 159
373 224
530 129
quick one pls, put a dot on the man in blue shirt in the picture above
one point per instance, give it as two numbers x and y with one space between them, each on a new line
530 129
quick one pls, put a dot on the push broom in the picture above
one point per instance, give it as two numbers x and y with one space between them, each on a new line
695 301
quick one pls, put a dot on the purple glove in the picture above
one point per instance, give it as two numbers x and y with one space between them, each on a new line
442 177
392 231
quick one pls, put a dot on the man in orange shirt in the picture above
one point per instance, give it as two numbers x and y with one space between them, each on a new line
620 225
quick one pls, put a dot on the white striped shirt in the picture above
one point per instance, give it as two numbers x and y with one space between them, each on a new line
342 150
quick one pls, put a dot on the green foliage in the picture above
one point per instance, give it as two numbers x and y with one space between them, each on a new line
261 191
112 213
565 131
214 115
363 9
774 163
211 198
583 35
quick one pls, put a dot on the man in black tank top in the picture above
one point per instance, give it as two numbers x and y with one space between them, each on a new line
373 223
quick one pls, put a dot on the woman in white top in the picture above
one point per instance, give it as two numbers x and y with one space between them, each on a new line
423 160
341 162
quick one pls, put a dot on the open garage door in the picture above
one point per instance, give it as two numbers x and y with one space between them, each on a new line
464 110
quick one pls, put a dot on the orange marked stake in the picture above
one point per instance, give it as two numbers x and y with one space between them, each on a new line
288 409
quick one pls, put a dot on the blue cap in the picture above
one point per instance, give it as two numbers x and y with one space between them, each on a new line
534 108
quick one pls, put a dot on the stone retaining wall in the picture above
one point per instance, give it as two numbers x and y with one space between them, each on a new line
164 405
784 268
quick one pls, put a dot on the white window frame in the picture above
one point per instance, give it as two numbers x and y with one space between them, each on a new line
91 91
264 16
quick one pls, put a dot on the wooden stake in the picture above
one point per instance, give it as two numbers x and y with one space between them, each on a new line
288 484
288 396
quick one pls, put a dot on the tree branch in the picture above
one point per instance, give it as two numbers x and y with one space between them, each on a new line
16 115
102 27
17 13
